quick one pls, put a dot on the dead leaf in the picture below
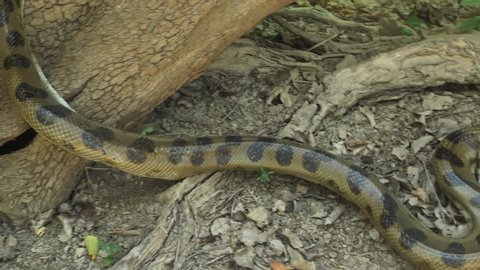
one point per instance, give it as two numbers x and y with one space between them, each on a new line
447 126
260 215
370 116
280 266
400 151
436 102
419 143
421 194
334 215
244 257
294 240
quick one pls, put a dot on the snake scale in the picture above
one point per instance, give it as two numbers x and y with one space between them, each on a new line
173 158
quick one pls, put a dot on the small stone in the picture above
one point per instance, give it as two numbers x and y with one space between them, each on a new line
318 209
293 239
301 189
298 262
277 246
11 242
67 232
80 252
279 206
259 215
250 236
220 226
375 235
244 257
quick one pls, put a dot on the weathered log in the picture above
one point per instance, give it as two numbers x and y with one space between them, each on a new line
119 59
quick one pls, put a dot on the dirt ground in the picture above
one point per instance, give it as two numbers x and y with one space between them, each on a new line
251 224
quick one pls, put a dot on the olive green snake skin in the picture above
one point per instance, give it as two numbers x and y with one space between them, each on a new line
174 158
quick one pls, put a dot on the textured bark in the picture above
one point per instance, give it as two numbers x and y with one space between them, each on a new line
432 62
119 59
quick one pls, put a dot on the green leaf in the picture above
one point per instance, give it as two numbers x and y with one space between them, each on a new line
304 3
413 21
148 130
108 261
111 250
264 176
92 245
468 25
407 31
470 2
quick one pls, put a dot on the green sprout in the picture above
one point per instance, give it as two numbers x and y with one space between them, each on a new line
471 2
148 130
468 25
264 176
109 252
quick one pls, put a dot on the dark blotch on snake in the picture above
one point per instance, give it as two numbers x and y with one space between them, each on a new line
204 140
266 139
138 149
460 136
445 154
95 138
311 160
198 153
6 7
48 114
16 61
223 154
177 150
15 39
410 237
453 179
256 149
454 255
284 155
369 210
356 179
25 92
332 184
455 137
475 201
390 208
197 157
233 140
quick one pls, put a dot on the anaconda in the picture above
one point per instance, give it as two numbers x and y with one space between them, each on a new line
176 157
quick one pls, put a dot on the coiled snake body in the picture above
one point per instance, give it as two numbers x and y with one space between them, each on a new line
174 158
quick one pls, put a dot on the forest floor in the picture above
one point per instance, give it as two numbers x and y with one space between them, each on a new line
252 224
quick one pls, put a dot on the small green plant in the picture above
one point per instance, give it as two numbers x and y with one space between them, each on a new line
304 3
471 24
110 252
148 130
470 2
91 244
264 176
97 248
414 22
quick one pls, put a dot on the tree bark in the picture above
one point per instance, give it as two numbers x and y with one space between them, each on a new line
119 59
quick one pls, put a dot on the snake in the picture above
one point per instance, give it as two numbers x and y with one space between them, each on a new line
175 157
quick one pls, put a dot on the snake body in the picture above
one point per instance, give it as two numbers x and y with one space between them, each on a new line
176 157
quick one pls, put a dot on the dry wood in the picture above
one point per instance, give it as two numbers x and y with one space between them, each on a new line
119 66
427 62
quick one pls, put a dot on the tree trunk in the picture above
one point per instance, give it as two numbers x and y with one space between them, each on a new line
119 59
